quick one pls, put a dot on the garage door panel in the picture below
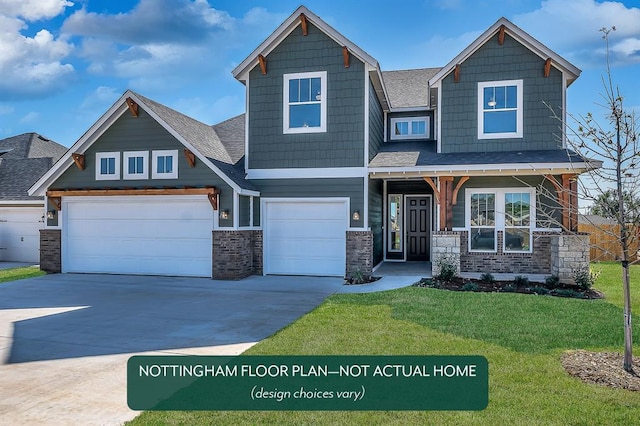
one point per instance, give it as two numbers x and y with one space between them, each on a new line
138 235
20 233
306 237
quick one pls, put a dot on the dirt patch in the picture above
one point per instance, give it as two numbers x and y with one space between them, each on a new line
602 368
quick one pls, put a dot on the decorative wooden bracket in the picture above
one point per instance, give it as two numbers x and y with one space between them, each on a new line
456 74
433 186
303 24
547 67
345 56
213 199
191 158
133 107
263 64
501 35
78 159
57 202
461 182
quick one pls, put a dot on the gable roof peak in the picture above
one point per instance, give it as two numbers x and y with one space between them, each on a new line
571 71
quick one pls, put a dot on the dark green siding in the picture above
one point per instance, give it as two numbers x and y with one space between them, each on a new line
376 124
343 143
547 209
375 218
492 62
244 205
316 188
142 134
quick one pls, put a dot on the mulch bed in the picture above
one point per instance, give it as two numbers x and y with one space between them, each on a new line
470 284
602 368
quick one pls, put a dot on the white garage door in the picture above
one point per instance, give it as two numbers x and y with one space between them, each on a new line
147 235
20 233
305 237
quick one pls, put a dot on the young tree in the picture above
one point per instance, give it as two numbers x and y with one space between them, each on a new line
613 189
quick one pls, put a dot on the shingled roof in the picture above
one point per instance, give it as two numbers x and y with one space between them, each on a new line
408 88
23 160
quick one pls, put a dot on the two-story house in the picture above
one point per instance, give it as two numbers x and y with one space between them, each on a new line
335 167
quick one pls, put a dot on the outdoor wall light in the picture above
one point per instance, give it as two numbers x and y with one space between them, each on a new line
224 214
356 215
51 214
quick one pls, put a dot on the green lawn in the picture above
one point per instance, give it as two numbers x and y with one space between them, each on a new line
19 273
522 336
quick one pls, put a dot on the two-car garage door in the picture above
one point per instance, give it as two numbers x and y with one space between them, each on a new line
305 237
149 235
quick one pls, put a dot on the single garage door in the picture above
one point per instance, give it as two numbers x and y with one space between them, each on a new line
305 237
20 233
147 235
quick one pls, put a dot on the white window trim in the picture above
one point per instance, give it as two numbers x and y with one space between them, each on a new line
519 110
323 103
400 218
500 216
427 128
154 164
145 165
100 156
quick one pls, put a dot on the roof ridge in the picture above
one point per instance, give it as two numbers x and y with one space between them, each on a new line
228 119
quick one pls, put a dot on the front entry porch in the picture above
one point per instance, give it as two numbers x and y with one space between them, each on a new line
403 269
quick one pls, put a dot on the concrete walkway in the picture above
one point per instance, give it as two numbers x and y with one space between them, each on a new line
65 339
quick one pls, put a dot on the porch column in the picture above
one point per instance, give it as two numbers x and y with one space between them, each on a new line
567 194
446 203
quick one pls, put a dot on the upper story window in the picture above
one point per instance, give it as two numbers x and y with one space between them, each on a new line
136 165
500 109
107 166
410 128
165 164
305 102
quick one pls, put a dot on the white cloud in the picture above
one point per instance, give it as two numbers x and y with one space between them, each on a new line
6 109
165 42
571 27
31 65
32 10
100 99
31 117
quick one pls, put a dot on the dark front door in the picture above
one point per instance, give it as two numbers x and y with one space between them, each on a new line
419 223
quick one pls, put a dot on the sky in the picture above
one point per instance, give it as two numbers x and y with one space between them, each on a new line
63 63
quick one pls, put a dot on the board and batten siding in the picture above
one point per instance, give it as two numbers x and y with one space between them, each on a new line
143 134
376 123
342 145
548 212
492 62
376 205
353 188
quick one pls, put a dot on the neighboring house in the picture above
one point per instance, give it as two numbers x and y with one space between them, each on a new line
23 160
335 167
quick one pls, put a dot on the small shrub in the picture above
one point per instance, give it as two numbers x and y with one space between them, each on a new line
585 278
428 282
448 268
488 278
470 287
521 281
509 288
552 282
539 290
566 292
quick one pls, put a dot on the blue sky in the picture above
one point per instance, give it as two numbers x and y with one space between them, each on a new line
64 62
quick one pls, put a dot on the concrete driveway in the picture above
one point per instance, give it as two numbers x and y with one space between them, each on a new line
65 339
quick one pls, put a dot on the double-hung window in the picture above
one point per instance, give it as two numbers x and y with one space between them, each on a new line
410 128
107 166
165 164
305 102
500 109
136 165
510 210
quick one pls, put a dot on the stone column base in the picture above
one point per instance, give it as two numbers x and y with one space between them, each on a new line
359 253
569 252
50 250
236 254
445 248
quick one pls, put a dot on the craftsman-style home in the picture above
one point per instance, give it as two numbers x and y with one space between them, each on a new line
335 167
